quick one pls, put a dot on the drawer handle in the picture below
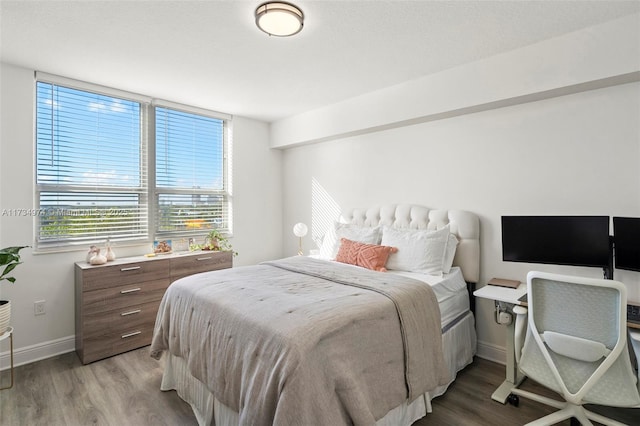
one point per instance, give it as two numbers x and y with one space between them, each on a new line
135 333
137 311
131 290
200 259
131 268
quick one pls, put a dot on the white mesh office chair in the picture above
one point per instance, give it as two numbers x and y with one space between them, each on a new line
576 345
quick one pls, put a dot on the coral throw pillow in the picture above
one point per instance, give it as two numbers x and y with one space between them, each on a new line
370 256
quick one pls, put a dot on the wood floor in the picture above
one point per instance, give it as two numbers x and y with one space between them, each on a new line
124 390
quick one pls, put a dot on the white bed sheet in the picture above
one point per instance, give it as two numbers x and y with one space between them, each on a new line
451 292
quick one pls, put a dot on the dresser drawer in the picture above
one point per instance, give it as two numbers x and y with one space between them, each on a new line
124 273
109 344
121 297
201 262
120 320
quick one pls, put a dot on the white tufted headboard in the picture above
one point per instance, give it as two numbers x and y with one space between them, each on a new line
465 225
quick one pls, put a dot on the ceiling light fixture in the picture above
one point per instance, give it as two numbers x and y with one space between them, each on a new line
279 18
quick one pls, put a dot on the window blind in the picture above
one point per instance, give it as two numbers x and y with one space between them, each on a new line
191 173
91 172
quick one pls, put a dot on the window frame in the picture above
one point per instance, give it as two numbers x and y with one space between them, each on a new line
225 192
148 107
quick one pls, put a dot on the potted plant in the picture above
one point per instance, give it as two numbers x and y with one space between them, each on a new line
214 241
9 259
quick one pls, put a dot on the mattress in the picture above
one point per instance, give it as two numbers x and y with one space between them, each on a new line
451 292
459 346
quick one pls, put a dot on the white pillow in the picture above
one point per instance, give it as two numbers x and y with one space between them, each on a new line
447 262
418 250
336 231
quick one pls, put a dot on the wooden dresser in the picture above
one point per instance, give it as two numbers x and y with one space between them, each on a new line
117 303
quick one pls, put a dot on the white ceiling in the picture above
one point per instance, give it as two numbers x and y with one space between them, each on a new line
210 53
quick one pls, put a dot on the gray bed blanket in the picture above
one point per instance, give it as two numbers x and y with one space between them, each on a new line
302 341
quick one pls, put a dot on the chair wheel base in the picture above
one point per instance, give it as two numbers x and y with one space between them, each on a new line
513 400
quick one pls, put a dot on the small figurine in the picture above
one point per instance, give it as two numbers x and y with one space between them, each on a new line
109 254
97 258
93 250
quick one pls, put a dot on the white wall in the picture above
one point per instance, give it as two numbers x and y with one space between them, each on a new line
257 193
573 155
554 141
257 216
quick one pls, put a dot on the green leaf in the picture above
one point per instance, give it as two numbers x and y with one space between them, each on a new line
9 268
12 250
9 258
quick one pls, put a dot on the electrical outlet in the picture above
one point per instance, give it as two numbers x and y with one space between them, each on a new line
505 318
38 307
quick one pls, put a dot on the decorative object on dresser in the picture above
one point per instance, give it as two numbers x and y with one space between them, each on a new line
116 304
97 258
9 259
108 251
93 250
214 241
162 247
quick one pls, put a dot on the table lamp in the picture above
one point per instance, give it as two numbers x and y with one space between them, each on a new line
300 230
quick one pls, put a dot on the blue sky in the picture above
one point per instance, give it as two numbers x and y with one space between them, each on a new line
93 140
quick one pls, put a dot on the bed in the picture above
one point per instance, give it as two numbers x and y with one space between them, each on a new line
307 340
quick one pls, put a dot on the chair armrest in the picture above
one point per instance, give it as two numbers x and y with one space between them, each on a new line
634 338
518 338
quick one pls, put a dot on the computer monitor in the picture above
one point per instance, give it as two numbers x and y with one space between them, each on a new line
559 240
626 237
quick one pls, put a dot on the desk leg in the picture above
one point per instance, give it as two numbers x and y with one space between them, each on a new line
514 378
11 351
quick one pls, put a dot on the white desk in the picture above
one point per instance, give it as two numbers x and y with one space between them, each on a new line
509 296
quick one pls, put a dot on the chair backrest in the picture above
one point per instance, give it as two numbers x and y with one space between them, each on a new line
576 342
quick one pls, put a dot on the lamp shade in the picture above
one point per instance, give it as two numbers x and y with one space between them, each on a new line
300 230
279 19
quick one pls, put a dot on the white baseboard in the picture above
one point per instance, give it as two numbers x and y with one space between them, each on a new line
492 352
37 352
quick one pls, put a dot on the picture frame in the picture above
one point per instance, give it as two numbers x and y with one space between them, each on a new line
162 247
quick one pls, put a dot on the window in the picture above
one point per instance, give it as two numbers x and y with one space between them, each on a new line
95 148
191 188
91 174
